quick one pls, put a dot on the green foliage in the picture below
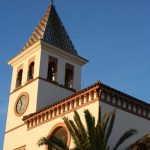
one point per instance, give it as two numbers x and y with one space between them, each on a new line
54 142
94 136
141 144
125 136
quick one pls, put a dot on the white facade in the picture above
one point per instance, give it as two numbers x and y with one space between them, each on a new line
125 121
42 123
31 137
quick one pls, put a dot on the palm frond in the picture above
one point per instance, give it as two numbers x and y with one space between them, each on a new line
124 137
43 141
90 123
80 125
99 137
104 124
142 144
72 129
99 115
78 137
110 125
53 141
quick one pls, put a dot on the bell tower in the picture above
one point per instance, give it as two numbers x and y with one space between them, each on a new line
47 69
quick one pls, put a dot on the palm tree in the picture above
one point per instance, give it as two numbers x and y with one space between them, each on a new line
95 135
53 142
141 144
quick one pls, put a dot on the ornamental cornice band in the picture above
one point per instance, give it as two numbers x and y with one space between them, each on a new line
96 92
62 108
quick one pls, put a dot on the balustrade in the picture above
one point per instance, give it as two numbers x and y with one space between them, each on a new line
63 107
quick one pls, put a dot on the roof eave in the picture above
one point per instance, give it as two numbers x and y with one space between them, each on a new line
23 53
79 59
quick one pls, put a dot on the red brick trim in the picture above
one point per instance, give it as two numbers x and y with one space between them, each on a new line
56 83
58 110
32 80
33 125
86 97
20 87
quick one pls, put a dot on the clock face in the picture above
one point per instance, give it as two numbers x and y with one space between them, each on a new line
21 104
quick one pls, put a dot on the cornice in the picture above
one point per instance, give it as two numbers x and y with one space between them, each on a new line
124 102
27 52
76 58
65 106
96 92
46 80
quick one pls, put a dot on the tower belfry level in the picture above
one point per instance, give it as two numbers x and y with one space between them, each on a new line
46 85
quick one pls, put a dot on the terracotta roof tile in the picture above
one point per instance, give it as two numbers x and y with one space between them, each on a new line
51 30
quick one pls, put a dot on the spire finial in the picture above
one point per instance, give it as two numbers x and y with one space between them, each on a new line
52 1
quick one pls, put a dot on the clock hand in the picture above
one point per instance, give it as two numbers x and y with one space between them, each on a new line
20 105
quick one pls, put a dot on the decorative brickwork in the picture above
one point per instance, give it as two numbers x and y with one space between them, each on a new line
96 92
63 107
51 30
125 102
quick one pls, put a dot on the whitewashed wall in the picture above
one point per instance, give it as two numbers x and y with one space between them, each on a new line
125 121
30 138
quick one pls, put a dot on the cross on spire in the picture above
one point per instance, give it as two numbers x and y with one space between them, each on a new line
52 1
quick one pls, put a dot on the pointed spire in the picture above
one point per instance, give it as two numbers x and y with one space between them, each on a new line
51 30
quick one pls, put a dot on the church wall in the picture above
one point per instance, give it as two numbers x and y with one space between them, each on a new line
49 93
77 77
125 121
30 87
12 119
13 79
16 138
23 63
31 137
45 129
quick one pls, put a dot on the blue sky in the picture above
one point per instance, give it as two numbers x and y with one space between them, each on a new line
113 35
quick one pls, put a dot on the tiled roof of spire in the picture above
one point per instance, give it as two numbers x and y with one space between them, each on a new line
51 30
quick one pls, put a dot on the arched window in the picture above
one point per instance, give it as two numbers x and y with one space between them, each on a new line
52 69
60 133
19 78
31 71
69 76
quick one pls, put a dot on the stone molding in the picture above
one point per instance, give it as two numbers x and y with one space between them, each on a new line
58 110
96 92
125 104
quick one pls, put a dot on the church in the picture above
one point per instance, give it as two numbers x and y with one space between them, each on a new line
46 85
